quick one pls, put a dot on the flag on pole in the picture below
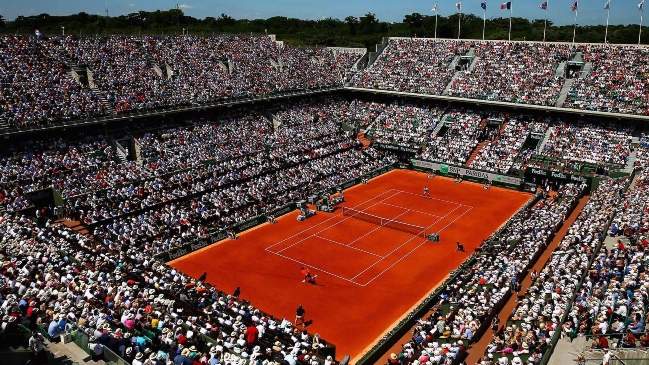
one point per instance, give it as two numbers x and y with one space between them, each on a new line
607 5
544 6
483 5
641 6
507 5
574 6
459 6
434 8
38 33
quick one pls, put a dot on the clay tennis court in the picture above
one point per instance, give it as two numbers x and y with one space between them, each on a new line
369 275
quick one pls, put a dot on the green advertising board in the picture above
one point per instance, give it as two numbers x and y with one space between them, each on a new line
507 181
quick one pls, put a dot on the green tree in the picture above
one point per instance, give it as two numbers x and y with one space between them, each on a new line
415 20
352 23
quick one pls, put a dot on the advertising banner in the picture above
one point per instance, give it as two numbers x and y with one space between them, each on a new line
450 170
394 147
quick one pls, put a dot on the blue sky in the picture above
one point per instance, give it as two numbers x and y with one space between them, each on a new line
590 11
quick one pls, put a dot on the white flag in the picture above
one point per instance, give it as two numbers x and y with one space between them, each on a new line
434 8
459 6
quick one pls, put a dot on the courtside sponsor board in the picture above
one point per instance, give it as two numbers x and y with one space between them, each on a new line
395 147
446 169
253 222
557 175
284 210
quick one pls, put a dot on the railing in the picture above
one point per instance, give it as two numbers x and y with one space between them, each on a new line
81 339
163 111
558 334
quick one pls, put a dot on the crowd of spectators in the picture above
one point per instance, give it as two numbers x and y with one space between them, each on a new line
406 124
131 73
539 311
455 320
514 72
180 222
617 81
121 71
138 308
459 140
35 89
412 65
71 167
588 142
499 153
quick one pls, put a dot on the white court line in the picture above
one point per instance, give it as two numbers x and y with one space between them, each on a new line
453 221
412 210
381 259
374 230
317 268
344 245
403 244
442 200
335 224
326 220
414 249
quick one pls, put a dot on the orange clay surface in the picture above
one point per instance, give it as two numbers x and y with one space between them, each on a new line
368 276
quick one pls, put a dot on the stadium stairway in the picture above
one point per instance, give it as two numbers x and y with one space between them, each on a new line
475 153
109 108
361 137
70 353
502 128
586 71
561 69
3 123
273 63
16 357
454 62
630 164
548 133
566 352
77 227
564 92
477 350
578 57
439 125
448 87
472 66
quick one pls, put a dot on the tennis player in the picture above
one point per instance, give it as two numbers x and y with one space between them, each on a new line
426 193
308 278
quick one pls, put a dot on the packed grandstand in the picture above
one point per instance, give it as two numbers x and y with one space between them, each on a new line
168 184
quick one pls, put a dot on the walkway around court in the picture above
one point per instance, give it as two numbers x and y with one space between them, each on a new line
478 349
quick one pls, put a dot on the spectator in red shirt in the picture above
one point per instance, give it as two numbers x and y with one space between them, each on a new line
251 335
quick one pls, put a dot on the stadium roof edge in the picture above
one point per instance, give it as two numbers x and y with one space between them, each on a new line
506 104
518 41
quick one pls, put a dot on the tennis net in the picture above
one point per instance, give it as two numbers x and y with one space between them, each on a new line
385 222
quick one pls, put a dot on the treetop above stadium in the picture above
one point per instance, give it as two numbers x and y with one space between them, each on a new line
352 31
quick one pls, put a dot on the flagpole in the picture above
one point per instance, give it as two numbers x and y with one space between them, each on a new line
436 13
510 19
641 14
574 29
484 21
459 21
608 14
545 26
